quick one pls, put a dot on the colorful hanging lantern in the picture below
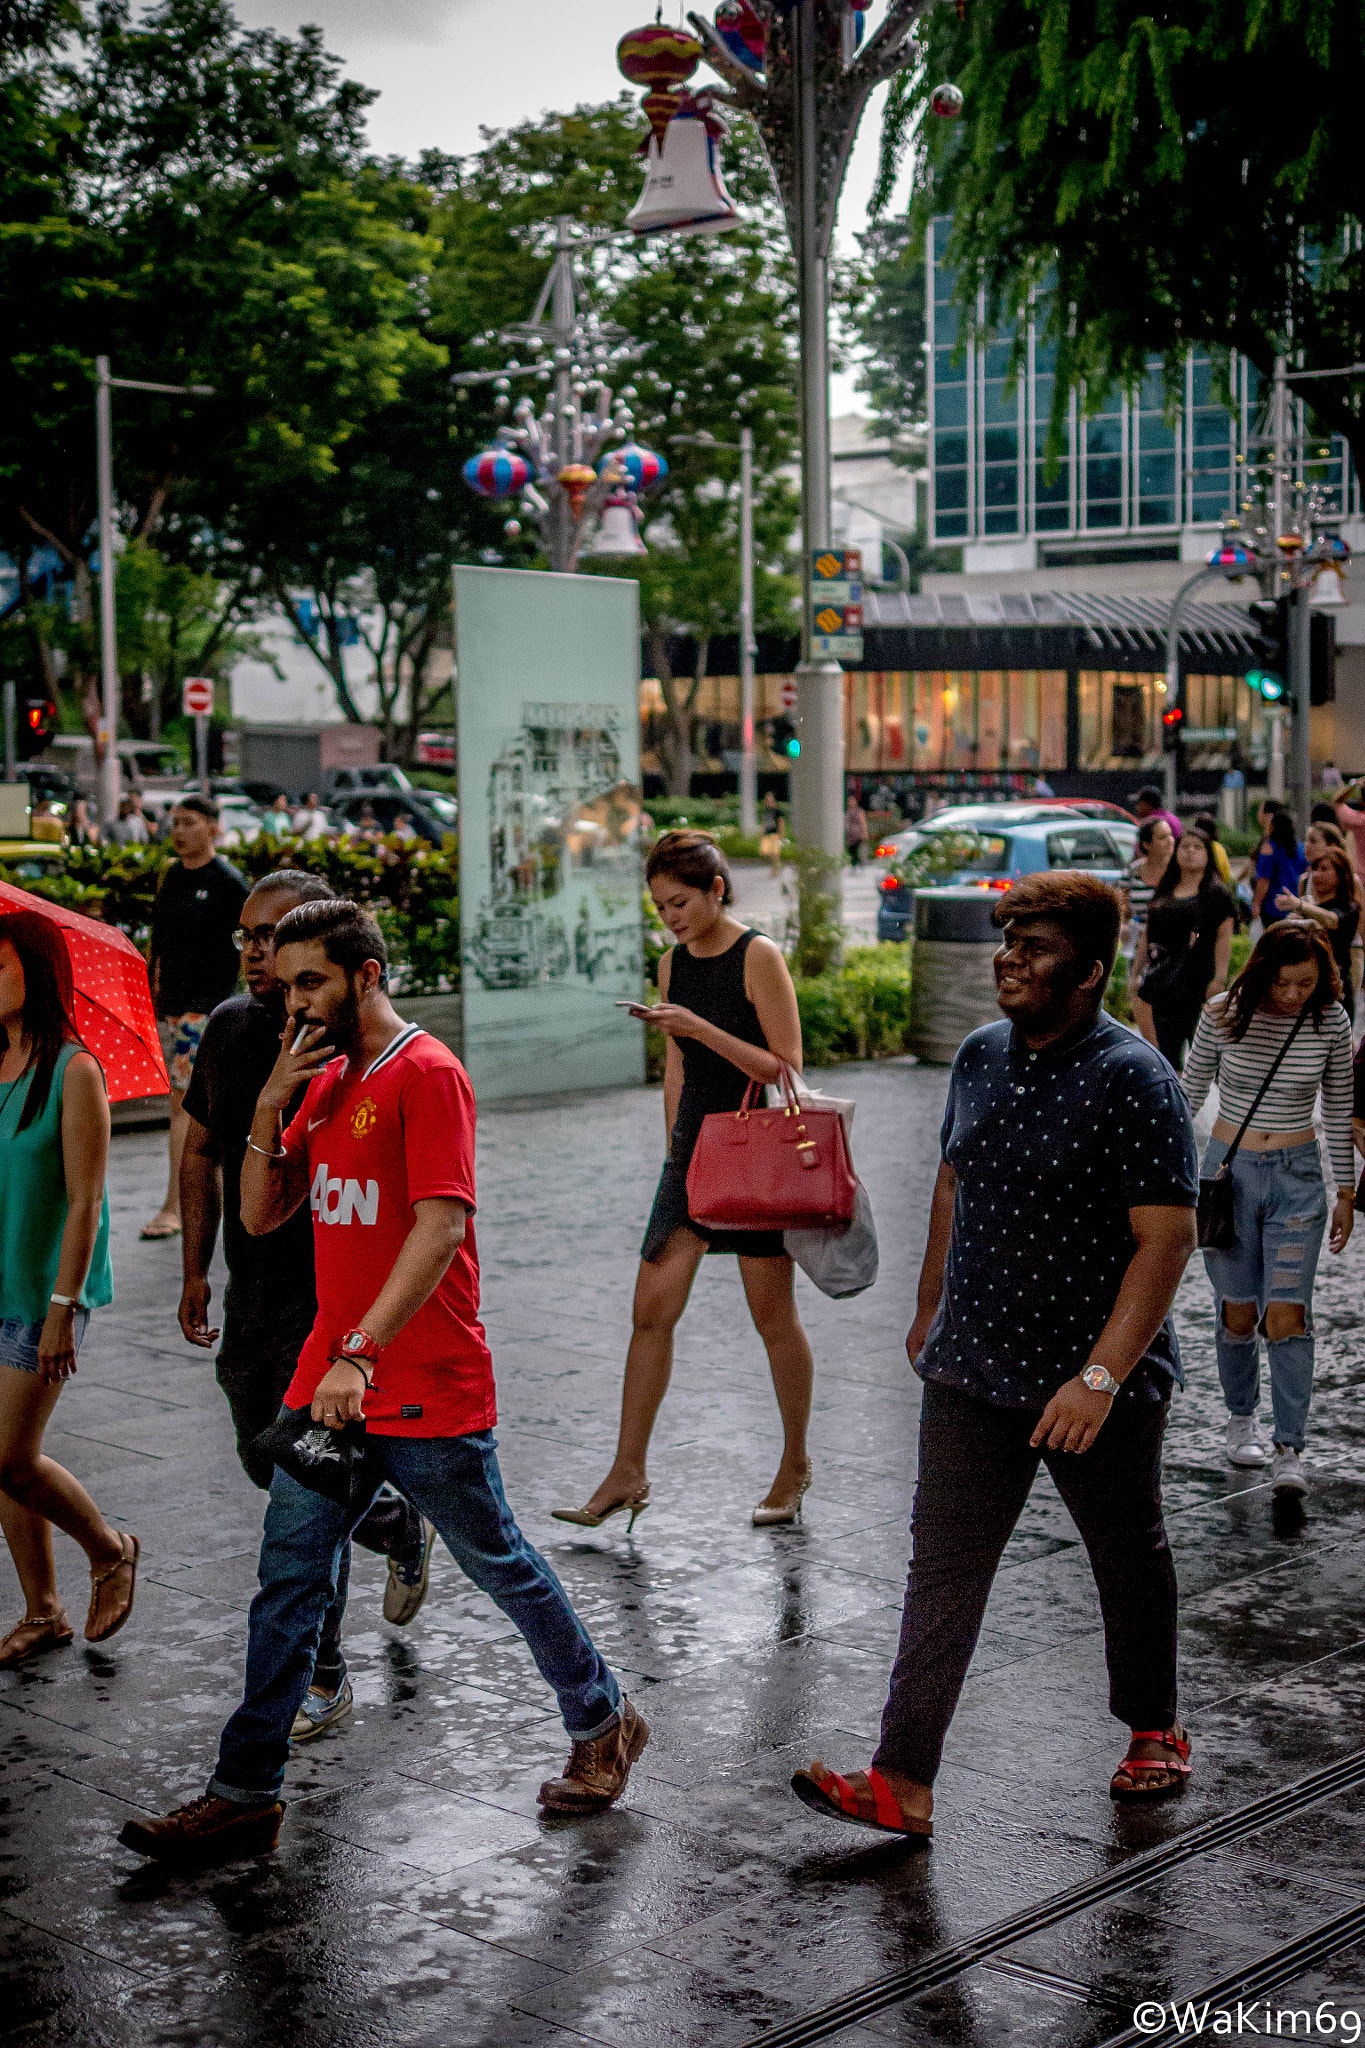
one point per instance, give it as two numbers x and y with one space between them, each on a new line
947 101
658 56
684 190
742 33
640 467
576 479
497 472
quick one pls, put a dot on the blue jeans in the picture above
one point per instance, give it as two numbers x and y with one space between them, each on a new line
1280 1211
454 1481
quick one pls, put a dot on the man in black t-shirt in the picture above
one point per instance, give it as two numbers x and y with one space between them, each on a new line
194 964
270 1302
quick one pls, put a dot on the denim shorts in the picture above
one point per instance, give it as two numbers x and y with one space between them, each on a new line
19 1341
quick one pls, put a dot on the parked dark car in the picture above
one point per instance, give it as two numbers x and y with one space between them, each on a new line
1001 857
388 807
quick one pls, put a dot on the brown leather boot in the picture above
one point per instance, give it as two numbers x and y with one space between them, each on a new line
207 1831
595 1775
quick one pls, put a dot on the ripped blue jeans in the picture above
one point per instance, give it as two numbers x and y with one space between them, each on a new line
1280 1208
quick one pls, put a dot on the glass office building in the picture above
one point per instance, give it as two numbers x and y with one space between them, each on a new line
1129 475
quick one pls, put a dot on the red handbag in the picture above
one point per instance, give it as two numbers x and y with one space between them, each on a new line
771 1169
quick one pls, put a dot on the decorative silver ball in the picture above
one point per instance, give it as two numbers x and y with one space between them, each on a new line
511 527
946 100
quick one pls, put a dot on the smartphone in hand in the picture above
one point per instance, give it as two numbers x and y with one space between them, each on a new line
636 1009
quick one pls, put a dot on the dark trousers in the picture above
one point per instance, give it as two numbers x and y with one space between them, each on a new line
1174 1024
976 1468
260 1349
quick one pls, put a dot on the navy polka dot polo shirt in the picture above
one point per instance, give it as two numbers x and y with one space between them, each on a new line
1051 1149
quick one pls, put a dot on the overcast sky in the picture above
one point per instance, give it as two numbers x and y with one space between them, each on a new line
445 68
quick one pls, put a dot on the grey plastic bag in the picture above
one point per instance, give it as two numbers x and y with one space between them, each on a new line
839 1262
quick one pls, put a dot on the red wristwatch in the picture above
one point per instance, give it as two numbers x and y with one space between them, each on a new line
357 1345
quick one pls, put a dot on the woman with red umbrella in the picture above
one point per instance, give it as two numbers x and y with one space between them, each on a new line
54 1268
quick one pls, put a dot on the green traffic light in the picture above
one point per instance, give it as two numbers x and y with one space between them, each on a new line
1267 682
793 748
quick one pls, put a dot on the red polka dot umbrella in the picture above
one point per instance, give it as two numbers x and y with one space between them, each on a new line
114 1012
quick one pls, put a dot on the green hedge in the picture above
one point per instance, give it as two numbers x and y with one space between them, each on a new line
414 892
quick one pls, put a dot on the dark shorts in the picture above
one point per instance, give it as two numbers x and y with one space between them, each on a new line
670 1213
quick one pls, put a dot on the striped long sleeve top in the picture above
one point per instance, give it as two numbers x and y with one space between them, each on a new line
1319 1059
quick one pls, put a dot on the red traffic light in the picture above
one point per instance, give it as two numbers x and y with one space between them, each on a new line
1173 716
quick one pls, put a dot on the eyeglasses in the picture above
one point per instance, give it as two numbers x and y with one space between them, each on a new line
245 936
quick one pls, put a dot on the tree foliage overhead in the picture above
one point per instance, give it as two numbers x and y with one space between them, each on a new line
1178 178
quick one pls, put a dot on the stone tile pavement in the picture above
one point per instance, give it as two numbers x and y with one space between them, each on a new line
419 1896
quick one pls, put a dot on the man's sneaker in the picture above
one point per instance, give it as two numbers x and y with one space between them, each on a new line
407 1587
321 1711
1286 1470
595 1775
1246 1445
207 1831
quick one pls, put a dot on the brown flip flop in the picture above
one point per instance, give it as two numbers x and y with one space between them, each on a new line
99 1580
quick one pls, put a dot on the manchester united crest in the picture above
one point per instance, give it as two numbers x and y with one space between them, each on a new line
364 1118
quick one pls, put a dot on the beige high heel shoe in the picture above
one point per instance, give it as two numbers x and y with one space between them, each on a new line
584 1518
788 1510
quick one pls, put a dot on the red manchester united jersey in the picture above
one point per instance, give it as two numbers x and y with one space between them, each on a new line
375 1143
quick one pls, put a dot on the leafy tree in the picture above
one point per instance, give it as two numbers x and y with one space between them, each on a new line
889 318
1165 180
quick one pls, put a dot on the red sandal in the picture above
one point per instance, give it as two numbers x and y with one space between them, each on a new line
1137 1768
824 1791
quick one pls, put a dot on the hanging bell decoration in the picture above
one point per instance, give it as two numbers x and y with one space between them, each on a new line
742 33
497 472
684 190
618 533
1328 591
946 100
575 480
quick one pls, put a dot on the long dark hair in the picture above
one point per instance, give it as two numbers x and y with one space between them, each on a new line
1283 834
1287 943
48 1015
1210 878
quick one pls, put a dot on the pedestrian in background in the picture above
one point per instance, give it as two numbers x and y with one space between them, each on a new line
1062 1220
310 820
1206 825
1186 945
279 819
1279 865
1156 844
270 1303
80 827
54 1268
1279 1033
130 828
1149 803
728 1010
1331 896
194 964
855 830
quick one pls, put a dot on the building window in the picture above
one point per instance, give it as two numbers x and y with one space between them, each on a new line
1104 470
1155 458
1120 718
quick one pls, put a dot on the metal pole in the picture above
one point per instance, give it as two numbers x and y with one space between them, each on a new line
817 778
1300 689
104 477
748 760
1278 394
11 717
1169 760
561 548
201 750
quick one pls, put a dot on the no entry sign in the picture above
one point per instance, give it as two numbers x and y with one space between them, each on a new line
196 696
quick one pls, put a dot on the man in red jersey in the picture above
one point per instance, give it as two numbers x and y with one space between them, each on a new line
382 1148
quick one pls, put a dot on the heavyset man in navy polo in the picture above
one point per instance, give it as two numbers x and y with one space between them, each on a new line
1062 1219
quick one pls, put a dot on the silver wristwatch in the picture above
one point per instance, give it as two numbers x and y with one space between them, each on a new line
1100 1381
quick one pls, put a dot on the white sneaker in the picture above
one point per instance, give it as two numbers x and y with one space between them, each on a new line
1286 1471
1246 1445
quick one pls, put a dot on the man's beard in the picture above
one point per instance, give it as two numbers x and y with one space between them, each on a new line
343 1029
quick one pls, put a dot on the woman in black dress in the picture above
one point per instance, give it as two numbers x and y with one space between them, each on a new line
728 1010
1185 947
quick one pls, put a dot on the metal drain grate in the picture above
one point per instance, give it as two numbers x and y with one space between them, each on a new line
946 1963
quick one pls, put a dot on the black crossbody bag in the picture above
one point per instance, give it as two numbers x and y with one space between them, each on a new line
1214 1215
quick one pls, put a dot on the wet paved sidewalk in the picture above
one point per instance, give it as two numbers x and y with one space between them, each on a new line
419 1897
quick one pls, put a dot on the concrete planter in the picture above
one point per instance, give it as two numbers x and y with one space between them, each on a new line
442 1016
952 976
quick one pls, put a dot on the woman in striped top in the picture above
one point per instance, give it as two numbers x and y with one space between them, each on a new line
1288 992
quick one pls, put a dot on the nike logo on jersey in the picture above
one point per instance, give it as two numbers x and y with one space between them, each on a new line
314 1121
333 1200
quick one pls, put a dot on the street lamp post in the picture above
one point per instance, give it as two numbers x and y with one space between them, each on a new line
748 646
104 479
807 107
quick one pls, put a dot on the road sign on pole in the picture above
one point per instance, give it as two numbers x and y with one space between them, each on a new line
196 696
836 583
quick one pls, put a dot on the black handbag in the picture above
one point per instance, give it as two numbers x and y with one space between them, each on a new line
334 1462
1214 1214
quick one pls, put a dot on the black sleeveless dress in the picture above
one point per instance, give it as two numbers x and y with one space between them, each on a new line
714 989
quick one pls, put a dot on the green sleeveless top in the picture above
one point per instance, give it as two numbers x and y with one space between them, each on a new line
33 1205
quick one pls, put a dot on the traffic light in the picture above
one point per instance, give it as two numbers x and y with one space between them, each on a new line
37 716
1269 648
782 737
1172 718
